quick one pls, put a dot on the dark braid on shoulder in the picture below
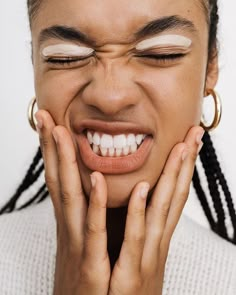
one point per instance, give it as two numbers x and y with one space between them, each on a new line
220 179
30 178
208 162
215 178
202 198
41 191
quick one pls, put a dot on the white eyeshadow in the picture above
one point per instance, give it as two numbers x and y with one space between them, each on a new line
67 50
174 40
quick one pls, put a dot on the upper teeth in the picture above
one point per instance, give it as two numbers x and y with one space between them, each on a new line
117 141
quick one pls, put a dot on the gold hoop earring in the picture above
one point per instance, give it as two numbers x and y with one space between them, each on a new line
218 111
31 113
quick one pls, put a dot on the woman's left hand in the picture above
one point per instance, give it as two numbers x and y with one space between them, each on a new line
141 264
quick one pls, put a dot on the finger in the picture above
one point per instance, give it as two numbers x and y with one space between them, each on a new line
44 127
71 193
95 229
159 205
193 140
132 248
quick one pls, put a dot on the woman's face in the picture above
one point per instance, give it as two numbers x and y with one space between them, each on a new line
131 74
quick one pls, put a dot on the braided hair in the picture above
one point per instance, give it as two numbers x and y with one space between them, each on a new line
219 194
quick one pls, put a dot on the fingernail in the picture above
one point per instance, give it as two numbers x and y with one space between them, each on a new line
184 154
93 180
199 137
39 122
55 136
144 191
200 147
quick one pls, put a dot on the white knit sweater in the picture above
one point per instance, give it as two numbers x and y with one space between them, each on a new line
199 262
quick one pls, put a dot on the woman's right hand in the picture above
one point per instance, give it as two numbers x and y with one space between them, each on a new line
82 261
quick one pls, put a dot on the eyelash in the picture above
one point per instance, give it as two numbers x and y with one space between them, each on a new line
163 57
160 57
64 60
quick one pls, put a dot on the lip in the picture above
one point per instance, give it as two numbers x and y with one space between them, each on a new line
112 165
112 128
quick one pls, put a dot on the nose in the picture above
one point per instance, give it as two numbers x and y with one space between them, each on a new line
111 90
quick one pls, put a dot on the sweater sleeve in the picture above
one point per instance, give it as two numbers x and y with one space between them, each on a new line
199 262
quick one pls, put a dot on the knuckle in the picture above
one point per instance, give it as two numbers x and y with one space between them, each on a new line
92 229
183 195
157 233
137 212
86 275
135 285
66 158
44 142
95 204
164 209
90 274
173 174
137 237
65 197
50 181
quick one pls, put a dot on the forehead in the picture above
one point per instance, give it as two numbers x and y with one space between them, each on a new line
114 20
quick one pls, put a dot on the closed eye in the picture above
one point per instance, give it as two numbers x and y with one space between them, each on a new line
65 60
160 60
163 56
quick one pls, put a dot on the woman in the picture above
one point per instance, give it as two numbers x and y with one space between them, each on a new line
119 86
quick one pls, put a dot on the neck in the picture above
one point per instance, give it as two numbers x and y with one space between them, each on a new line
116 218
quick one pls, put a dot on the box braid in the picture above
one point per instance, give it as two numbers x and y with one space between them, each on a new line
30 178
215 180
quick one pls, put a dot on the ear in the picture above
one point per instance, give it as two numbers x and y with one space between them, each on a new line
212 73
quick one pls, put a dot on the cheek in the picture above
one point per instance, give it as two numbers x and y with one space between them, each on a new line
55 91
180 103
176 95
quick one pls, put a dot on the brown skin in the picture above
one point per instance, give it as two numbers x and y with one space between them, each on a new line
117 86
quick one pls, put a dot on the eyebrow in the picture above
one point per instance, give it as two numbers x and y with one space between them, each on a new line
164 24
64 33
154 27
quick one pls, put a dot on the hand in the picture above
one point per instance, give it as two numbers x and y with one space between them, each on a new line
82 262
141 264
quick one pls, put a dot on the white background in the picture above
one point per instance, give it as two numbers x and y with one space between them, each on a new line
19 142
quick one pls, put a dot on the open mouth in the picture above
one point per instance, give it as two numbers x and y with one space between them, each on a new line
114 154
113 147
107 145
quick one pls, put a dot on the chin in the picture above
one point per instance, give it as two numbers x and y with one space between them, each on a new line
117 199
